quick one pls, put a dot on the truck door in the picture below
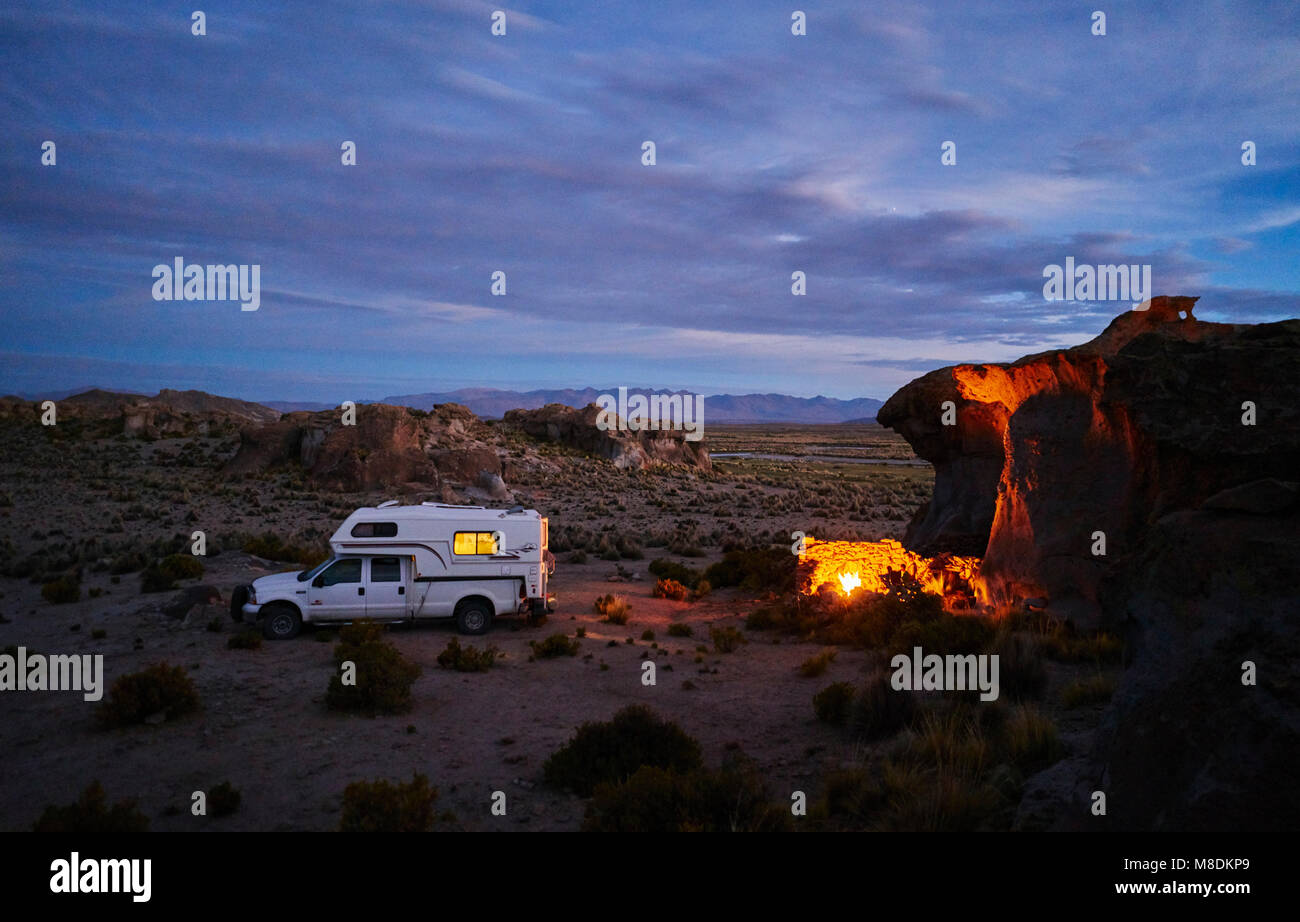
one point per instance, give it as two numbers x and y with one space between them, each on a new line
337 593
386 589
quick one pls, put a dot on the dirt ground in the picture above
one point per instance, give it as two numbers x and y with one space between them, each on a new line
263 724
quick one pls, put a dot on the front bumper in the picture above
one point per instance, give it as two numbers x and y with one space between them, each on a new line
251 611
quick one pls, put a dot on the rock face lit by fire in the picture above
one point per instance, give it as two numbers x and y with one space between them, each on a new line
852 566
1180 441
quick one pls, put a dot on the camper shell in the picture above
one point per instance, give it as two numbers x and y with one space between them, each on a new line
396 563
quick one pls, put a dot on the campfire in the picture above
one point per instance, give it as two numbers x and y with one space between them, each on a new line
853 567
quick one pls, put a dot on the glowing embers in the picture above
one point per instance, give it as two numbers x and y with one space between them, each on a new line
861 566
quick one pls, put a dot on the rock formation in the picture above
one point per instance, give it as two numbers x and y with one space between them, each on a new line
577 429
1049 455
1178 442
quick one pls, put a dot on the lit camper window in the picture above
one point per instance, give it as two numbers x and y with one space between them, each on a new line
474 542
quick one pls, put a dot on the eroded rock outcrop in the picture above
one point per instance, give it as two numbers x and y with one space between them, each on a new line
387 447
1180 441
1045 453
576 428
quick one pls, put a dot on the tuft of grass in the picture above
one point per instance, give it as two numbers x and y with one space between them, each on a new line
726 639
555 645
383 677
680 629
614 608
1031 740
90 813
466 659
655 799
612 751
833 703
671 589
61 591
223 799
817 665
1096 689
382 806
161 575
879 710
158 689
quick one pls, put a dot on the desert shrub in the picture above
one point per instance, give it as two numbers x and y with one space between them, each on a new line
833 703
1089 690
614 608
663 568
662 800
725 639
1030 739
816 665
755 569
647 634
610 752
271 546
245 640
383 676
381 806
160 688
65 589
879 711
128 562
223 799
466 659
680 629
1021 670
671 589
578 556
1065 646
90 813
943 634
162 575
555 645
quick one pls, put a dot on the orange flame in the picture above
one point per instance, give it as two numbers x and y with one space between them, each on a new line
850 565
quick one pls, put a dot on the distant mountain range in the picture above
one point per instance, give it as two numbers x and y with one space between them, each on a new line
491 403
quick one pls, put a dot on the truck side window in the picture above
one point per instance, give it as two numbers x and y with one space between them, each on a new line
385 570
474 542
347 570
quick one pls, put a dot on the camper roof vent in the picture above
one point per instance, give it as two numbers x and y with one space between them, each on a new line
514 510
385 505
449 506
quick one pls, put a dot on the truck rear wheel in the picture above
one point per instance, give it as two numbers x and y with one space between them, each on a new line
473 616
280 622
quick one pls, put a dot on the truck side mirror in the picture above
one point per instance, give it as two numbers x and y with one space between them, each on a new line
319 581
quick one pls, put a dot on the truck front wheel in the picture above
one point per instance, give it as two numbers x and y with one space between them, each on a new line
280 621
473 616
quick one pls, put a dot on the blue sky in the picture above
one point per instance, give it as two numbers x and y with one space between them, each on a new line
522 153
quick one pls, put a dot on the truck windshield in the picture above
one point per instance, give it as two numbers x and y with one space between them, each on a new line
311 574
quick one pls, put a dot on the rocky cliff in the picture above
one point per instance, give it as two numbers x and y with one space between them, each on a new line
1173 445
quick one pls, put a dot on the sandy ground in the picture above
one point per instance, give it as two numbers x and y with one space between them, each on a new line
264 726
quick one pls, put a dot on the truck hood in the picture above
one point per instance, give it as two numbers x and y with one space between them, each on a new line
282 582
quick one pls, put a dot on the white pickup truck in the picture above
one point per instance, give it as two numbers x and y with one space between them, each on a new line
403 563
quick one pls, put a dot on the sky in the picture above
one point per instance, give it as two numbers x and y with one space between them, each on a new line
522 153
